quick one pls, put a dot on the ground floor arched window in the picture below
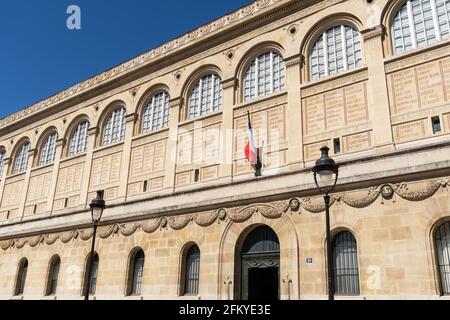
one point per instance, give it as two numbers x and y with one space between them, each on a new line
345 264
442 238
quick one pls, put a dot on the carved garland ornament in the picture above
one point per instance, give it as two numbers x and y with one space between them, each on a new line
417 191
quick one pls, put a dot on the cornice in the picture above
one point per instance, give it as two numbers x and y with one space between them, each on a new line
256 8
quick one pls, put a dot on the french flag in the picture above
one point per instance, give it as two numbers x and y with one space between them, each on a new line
250 150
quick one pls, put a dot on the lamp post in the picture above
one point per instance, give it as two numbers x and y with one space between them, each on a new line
97 206
326 173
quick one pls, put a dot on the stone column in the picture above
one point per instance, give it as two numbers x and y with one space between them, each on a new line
31 155
54 181
227 134
84 192
126 157
172 145
294 125
378 97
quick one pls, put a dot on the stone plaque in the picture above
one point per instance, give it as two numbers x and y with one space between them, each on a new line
241 167
357 142
12 194
312 151
445 64
334 110
106 170
134 189
39 187
69 179
212 145
276 123
147 159
259 124
404 91
356 104
209 173
185 149
241 135
429 80
314 116
183 179
156 184
409 131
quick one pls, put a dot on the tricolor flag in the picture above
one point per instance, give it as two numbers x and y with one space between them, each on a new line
250 149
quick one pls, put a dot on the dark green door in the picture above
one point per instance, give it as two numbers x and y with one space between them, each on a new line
260 269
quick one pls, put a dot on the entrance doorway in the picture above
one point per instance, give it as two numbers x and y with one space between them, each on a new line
260 265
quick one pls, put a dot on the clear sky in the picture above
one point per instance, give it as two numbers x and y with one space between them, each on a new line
40 56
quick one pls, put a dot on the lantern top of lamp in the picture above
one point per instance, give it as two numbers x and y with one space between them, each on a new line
98 202
325 163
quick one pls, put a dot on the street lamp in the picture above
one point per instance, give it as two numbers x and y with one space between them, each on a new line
326 174
97 206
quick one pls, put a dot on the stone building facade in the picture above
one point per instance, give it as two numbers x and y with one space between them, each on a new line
164 135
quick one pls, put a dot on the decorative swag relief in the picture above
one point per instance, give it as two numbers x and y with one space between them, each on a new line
417 191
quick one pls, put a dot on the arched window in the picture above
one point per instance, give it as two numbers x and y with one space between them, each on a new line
265 75
136 272
206 96
21 162
345 264
192 271
48 149
156 113
419 23
115 127
442 238
91 279
337 49
2 162
21 277
79 139
53 274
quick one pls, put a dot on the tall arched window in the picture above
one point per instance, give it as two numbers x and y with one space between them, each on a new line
91 279
52 281
419 23
206 96
442 238
21 161
337 49
48 149
192 271
79 139
345 264
265 75
115 127
156 113
2 162
136 273
21 277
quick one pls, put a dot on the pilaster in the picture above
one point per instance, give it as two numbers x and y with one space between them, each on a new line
31 155
172 144
126 156
92 133
226 149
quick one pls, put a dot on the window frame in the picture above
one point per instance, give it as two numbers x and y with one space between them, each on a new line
436 26
251 77
21 278
148 112
135 281
189 254
2 162
22 158
115 126
53 276
48 148
79 138
214 90
347 269
91 279
444 283
323 54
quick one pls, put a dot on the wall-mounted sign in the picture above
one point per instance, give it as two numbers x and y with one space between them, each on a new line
309 260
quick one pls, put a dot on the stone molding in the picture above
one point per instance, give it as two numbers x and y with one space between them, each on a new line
415 191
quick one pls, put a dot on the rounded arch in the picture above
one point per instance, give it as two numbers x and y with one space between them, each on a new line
437 272
42 140
185 251
15 153
247 59
137 253
192 81
145 99
21 275
71 129
318 29
105 115
389 12
234 235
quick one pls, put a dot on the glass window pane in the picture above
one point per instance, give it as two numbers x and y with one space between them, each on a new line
79 140
2 163
205 97
345 264
48 149
442 238
115 128
156 113
21 162
192 272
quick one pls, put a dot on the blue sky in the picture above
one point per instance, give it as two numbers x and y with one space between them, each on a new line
39 56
